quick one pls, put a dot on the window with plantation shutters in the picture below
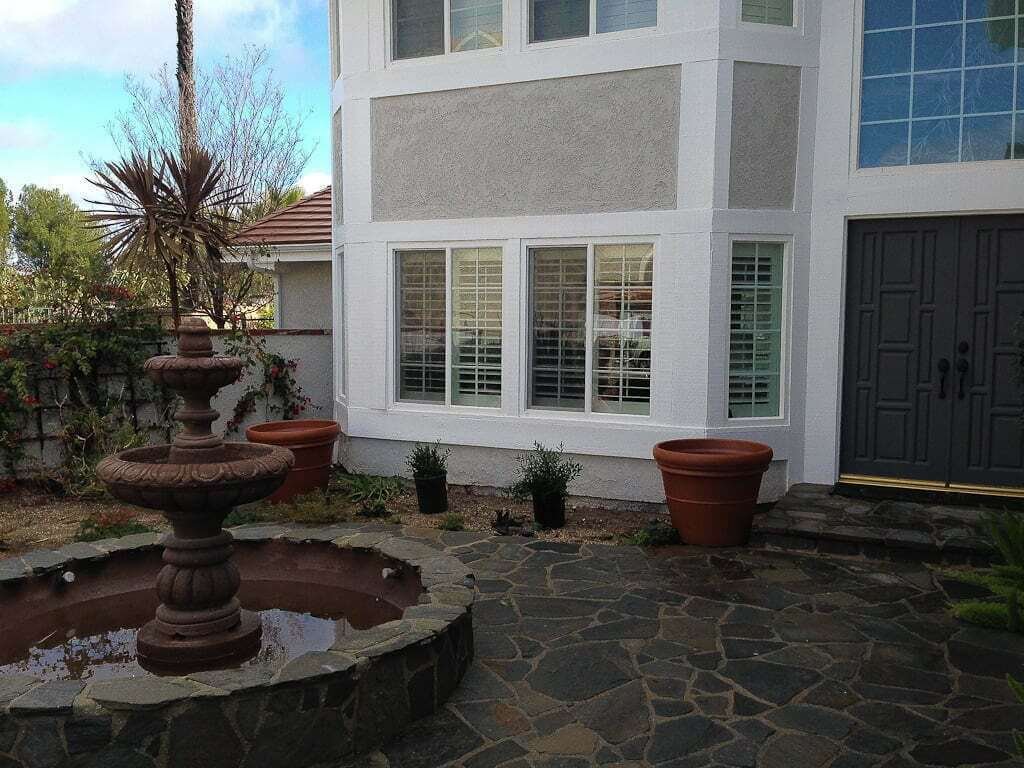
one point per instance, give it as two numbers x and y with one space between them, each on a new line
562 19
590 331
422 325
623 286
558 328
476 326
755 330
778 12
617 15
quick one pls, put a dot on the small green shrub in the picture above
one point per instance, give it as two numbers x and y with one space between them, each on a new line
370 490
110 525
543 472
428 461
1005 581
315 508
655 533
452 521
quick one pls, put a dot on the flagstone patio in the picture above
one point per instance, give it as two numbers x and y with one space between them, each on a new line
610 655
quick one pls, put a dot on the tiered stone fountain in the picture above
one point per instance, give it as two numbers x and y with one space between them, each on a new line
196 482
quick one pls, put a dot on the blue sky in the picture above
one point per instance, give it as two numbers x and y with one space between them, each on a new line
63 63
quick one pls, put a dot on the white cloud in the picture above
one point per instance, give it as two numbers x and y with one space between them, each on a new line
314 181
114 36
24 135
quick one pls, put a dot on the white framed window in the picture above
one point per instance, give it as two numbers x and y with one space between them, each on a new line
756 322
775 12
564 19
435 27
449 325
590 327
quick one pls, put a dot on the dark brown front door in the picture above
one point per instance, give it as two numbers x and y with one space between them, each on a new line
930 371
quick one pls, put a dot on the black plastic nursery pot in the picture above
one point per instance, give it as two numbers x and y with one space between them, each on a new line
432 494
549 510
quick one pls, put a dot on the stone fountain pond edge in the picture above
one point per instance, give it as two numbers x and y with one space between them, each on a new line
318 709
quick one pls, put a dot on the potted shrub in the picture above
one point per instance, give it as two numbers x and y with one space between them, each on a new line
429 465
545 477
711 487
312 442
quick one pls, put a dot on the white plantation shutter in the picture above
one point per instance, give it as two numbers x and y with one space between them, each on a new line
422 325
623 286
617 15
559 19
755 335
475 24
417 28
476 326
769 12
558 293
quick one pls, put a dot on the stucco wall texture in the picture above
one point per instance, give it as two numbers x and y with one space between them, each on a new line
589 144
304 301
765 123
337 191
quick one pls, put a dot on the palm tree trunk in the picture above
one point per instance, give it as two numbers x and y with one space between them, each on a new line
172 284
188 121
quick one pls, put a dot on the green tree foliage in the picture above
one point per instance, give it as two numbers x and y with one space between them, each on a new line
51 233
6 222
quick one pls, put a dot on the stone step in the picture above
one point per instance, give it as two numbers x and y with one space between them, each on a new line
812 518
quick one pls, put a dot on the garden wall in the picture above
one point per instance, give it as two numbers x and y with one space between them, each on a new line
311 349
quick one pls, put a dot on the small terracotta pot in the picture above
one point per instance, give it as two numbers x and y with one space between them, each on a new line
712 487
312 442
432 494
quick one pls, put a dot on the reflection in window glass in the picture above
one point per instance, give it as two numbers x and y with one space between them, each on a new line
755 330
941 82
476 326
558 336
476 24
418 28
623 285
559 19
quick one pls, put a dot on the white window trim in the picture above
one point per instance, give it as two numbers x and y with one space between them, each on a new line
755 26
394 353
785 351
525 320
389 40
592 35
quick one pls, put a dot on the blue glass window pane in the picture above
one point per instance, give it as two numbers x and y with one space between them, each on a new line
990 42
886 98
985 9
1020 88
936 11
618 15
885 14
1018 144
938 47
937 94
887 53
935 141
882 145
988 90
987 138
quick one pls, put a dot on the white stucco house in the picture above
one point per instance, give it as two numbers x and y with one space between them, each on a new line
295 244
606 223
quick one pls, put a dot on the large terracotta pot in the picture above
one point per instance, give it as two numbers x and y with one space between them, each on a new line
712 487
312 442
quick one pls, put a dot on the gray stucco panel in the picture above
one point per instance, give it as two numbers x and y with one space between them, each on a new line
336 182
304 301
587 144
765 126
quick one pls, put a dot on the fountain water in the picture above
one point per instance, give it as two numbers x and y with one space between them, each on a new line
195 482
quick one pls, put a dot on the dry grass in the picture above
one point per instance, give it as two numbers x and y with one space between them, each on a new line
35 519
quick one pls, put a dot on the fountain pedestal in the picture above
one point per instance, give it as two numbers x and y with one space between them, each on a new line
196 481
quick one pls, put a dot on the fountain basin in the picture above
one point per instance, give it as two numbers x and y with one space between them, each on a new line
401 617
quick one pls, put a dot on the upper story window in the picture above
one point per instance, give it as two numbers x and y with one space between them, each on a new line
941 82
778 12
562 19
435 27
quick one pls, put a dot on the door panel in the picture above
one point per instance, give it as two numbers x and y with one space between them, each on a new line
900 322
988 441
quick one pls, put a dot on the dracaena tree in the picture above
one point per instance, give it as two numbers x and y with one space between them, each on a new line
162 214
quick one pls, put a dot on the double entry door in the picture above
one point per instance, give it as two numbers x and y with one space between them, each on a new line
934 337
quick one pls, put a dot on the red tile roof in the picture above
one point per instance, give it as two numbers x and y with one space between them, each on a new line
306 222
